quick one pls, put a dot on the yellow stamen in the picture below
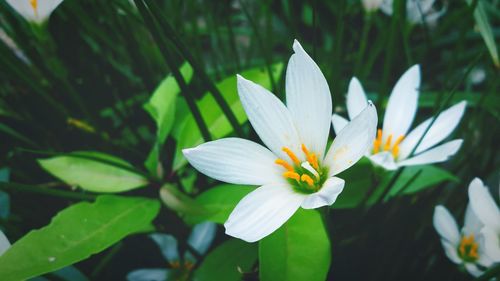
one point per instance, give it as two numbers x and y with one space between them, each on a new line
284 164
468 247
395 148
304 149
291 175
291 155
307 179
388 143
34 5
310 157
377 141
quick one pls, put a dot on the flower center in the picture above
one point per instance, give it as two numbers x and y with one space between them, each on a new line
379 146
467 249
307 176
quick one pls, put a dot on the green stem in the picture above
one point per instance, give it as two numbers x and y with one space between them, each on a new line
10 186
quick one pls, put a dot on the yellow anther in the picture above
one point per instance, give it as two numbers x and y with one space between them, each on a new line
34 4
307 179
377 142
310 157
284 164
291 155
387 145
395 148
304 149
291 175
468 247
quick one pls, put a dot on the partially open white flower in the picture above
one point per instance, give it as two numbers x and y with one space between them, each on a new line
394 144
488 213
466 247
295 171
417 11
36 11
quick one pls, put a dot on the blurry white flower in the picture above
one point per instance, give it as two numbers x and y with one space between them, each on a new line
417 11
488 213
393 144
466 247
295 171
4 243
477 75
371 5
36 11
200 239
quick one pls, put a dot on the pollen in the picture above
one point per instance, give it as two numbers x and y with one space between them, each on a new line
307 179
284 164
468 248
292 155
379 145
292 175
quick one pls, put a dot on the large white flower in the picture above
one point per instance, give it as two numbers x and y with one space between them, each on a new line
295 171
466 247
417 11
488 212
36 11
393 144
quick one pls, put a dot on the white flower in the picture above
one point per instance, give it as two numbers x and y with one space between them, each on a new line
466 247
393 144
4 243
295 171
371 5
36 11
200 239
417 11
488 213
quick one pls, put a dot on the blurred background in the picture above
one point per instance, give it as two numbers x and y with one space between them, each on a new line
82 86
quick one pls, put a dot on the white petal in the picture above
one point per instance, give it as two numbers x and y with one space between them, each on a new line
202 236
235 160
151 274
353 141
473 269
356 98
338 123
326 196
308 99
402 104
43 11
442 127
484 259
385 160
450 251
437 154
491 243
168 246
4 243
472 224
484 205
269 117
445 225
263 211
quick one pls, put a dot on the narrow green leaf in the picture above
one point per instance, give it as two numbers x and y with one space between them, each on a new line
485 30
225 262
299 250
187 133
76 233
180 202
99 173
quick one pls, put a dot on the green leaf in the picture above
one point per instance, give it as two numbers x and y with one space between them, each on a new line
94 171
76 233
161 107
358 180
219 202
180 202
187 132
418 178
484 27
299 250
224 263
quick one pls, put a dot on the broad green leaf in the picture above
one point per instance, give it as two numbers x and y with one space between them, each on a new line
76 233
94 171
161 107
485 30
418 178
299 250
188 134
225 262
219 202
